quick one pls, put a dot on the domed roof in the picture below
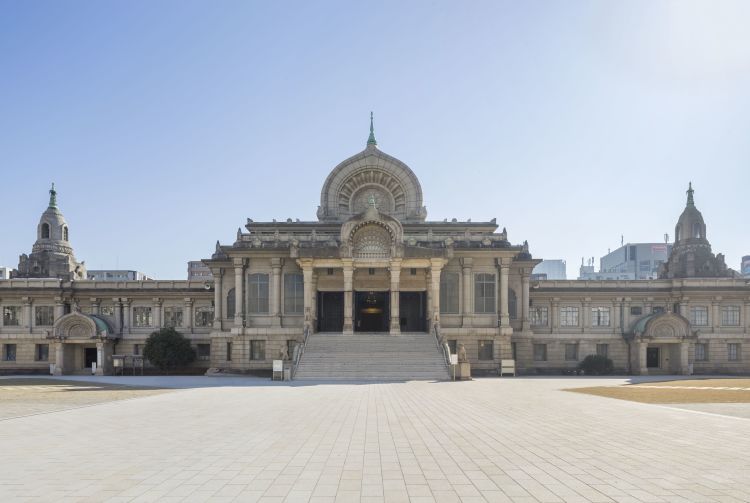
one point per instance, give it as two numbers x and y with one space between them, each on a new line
690 225
371 174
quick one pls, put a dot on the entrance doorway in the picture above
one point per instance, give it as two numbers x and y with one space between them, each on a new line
330 311
412 309
371 311
652 358
89 357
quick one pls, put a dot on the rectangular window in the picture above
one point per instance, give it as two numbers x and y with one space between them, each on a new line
657 309
204 352
599 316
257 350
540 316
172 316
294 294
730 316
142 316
413 271
733 352
44 316
258 293
701 352
107 310
568 316
602 350
636 311
204 316
329 271
453 346
41 352
136 349
699 316
11 316
229 351
9 352
484 293
540 352
645 266
571 352
449 292
486 349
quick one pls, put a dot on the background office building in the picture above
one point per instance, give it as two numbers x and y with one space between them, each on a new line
550 269
115 275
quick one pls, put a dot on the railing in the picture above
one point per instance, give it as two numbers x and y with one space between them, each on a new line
299 350
443 347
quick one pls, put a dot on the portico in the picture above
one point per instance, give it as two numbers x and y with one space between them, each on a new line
79 341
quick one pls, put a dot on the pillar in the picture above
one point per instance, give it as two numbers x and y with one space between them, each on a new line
395 269
218 296
641 360
314 301
715 315
99 358
307 274
156 312
525 300
188 316
466 268
127 318
95 306
59 358
276 264
428 291
616 316
586 315
504 312
747 316
626 315
555 315
684 363
59 311
27 319
239 291
436 266
348 270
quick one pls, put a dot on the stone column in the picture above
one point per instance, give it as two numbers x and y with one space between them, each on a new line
586 315
395 269
59 308
127 312
684 311
239 291
276 264
466 311
348 284
436 266
99 358
615 316
684 363
747 316
156 312
59 358
428 292
218 297
626 315
715 315
641 363
27 319
525 299
95 306
307 274
504 311
555 315
314 282
188 316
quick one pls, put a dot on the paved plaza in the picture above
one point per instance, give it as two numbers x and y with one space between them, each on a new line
251 440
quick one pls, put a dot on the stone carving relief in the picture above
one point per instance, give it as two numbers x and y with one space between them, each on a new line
361 200
371 241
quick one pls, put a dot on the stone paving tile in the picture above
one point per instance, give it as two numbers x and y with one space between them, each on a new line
493 440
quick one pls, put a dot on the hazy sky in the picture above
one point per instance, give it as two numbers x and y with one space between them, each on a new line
165 124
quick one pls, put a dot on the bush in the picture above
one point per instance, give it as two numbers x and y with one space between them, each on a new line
596 365
167 348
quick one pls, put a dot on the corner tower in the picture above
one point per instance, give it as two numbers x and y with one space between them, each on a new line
51 256
691 255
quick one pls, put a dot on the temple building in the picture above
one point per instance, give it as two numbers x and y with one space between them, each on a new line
373 276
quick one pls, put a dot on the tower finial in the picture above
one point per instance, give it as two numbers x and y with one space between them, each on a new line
690 191
371 140
53 196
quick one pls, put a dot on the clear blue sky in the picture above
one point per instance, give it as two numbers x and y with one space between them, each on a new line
165 124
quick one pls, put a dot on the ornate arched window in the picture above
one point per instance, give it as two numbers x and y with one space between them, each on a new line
371 241
230 303
696 230
45 231
65 233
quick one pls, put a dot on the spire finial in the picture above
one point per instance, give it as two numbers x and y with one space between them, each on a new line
53 196
690 191
371 140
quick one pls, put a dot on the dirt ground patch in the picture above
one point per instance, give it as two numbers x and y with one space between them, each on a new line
683 391
22 397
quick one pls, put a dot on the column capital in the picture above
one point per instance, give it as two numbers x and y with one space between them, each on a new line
277 262
466 262
217 272
188 300
157 301
239 262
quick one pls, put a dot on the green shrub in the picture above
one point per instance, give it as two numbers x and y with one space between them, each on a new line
167 348
596 365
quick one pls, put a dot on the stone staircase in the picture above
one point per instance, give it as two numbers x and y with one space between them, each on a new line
371 357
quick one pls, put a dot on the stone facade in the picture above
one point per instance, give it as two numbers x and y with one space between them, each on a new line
373 262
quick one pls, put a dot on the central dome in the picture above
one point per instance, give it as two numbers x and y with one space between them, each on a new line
371 175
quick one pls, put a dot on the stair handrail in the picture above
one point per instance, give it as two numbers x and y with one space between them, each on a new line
442 346
299 350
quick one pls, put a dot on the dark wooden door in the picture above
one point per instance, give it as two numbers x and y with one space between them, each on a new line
412 306
652 358
371 311
330 311
89 357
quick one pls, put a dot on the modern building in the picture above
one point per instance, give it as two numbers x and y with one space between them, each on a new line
4 273
549 269
745 267
116 275
373 264
630 261
197 270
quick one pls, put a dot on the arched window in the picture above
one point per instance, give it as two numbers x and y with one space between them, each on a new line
696 230
512 303
45 231
230 303
65 233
